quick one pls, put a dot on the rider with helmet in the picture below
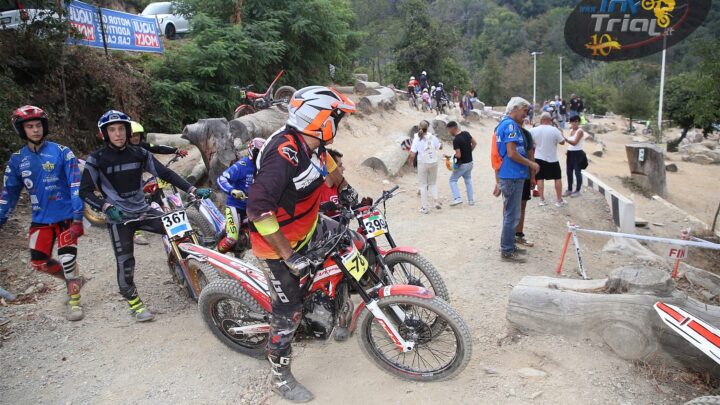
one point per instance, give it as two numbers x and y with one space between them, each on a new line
116 170
283 206
137 138
439 94
235 182
412 85
50 174
424 83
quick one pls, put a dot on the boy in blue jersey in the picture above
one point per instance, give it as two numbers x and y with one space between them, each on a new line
235 182
51 176
512 173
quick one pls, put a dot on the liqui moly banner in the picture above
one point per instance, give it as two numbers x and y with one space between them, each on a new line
123 31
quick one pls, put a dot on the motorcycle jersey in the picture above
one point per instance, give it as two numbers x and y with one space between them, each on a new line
287 185
239 176
118 176
52 179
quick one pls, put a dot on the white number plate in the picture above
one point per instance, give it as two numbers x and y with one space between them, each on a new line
374 225
176 223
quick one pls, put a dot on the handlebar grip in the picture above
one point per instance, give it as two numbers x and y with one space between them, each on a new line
392 190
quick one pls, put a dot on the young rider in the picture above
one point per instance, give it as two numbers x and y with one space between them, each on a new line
424 83
51 176
283 206
116 170
235 182
412 85
137 138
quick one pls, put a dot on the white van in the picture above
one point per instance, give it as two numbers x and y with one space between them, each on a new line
13 13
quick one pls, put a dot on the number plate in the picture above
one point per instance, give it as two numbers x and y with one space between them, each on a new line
176 223
242 94
374 225
355 263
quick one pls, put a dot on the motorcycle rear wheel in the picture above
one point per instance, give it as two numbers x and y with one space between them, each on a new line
204 231
438 354
421 272
96 218
225 304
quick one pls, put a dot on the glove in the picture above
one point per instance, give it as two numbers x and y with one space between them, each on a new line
76 229
114 214
366 202
203 193
181 152
329 206
298 264
348 197
238 194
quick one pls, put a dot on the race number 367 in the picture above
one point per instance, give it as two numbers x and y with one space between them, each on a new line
174 218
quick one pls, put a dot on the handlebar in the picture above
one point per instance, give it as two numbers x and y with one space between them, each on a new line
192 201
386 195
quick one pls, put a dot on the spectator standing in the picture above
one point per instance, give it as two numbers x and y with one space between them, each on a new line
576 106
463 145
512 173
425 146
455 95
562 110
527 188
576 159
547 138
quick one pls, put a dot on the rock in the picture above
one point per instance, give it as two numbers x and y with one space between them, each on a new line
478 105
474 115
671 167
658 224
439 126
29 290
694 136
699 153
595 128
535 394
710 144
490 371
361 76
640 139
641 222
531 373
598 153
631 248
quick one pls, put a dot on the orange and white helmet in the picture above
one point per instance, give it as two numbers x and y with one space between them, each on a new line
317 110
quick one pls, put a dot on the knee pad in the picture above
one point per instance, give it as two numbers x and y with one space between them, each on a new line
69 264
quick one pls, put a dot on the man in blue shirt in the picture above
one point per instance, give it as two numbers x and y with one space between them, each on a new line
51 176
512 173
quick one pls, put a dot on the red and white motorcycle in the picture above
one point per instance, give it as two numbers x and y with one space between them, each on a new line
404 329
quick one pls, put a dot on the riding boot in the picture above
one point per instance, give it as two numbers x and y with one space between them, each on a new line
284 383
226 244
74 309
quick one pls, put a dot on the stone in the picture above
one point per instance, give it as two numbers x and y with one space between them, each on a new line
598 153
478 105
710 144
671 167
529 372
439 126
29 290
631 248
694 136
535 394
474 115
490 371
640 222
647 167
361 76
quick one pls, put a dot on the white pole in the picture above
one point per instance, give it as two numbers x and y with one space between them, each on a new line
662 89
561 78
534 78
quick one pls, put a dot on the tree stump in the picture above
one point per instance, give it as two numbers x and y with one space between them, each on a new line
361 87
175 140
617 311
373 104
647 167
212 137
345 89
389 160
258 125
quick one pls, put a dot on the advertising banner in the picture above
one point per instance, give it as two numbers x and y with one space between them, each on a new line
123 31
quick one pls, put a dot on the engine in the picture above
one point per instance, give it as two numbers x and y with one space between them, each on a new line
319 319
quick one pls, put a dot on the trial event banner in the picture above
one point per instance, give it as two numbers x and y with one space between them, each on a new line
123 31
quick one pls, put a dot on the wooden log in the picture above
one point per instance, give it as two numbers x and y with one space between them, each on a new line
361 76
390 159
361 87
345 89
175 140
212 137
377 103
258 125
626 322
198 174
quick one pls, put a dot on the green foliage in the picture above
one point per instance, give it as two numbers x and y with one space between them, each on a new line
597 99
633 99
490 81
678 99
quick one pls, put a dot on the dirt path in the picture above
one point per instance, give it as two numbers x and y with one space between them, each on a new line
107 358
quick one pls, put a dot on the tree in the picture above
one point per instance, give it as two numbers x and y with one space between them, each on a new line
680 91
490 81
633 99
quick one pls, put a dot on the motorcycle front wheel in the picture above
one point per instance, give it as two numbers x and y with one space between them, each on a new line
414 269
438 354
96 218
224 304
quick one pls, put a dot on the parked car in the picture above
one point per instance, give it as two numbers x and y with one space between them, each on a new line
13 13
169 22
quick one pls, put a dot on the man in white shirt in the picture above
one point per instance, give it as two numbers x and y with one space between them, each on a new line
547 138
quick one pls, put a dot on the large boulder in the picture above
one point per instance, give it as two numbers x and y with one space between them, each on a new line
439 126
478 105
699 153
694 136
595 128
710 144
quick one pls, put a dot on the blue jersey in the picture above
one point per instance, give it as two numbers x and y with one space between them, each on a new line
508 131
52 179
239 176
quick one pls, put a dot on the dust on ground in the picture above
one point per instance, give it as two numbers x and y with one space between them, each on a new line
107 358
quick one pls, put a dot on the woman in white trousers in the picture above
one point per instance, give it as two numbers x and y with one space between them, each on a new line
425 146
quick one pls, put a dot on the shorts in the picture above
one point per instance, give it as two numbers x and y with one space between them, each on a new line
548 170
526 190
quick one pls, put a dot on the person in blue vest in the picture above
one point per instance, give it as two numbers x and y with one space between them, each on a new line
50 174
235 182
513 172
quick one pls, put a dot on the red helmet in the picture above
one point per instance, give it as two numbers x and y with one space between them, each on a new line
28 113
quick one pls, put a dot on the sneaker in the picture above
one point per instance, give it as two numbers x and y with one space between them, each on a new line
143 315
542 203
560 204
140 240
471 203
520 251
575 194
520 240
424 211
567 193
511 257
455 202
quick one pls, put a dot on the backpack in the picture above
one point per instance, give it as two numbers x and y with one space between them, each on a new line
495 158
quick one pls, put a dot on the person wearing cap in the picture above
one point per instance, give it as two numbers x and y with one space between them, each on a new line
512 173
547 138
576 158
50 174
425 146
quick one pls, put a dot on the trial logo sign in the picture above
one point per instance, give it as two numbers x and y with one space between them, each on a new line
611 30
